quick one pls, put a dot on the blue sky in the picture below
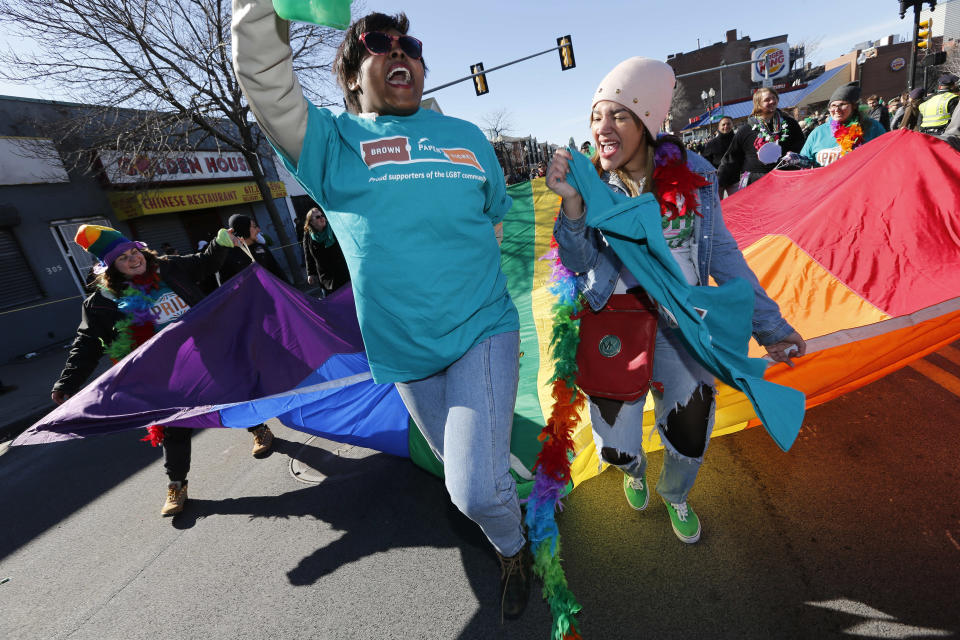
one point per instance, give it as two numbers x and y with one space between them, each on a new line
551 104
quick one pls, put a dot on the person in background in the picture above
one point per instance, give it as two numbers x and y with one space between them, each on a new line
878 111
137 294
951 135
628 107
895 107
846 130
167 249
910 117
435 314
247 229
936 110
717 146
767 129
324 258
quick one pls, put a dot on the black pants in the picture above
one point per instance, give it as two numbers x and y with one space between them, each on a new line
176 451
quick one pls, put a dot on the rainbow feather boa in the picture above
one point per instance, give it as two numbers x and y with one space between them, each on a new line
553 462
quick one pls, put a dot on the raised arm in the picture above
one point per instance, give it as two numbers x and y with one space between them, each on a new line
263 62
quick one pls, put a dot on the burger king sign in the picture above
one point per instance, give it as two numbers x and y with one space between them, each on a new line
775 56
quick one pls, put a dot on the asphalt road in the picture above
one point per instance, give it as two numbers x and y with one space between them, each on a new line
855 533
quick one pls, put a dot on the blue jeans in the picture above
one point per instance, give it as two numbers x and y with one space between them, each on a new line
465 413
680 376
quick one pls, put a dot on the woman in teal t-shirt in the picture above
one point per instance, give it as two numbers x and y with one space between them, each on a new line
846 130
434 310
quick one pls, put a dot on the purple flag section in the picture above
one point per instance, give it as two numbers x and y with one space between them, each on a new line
255 336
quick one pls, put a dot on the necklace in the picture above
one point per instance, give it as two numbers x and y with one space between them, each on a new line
779 134
848 136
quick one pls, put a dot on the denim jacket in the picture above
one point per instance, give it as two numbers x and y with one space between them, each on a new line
585 251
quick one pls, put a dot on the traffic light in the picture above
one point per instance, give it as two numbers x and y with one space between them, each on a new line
923 34
479 81
916 4
566 53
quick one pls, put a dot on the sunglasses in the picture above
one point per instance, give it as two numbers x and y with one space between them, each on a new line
380 44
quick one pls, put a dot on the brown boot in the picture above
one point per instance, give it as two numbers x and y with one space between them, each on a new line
514 584
262 439
176 498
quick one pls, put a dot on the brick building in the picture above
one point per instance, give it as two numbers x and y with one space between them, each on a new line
731 84
883 70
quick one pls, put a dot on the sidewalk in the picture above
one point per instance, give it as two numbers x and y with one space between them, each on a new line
33 377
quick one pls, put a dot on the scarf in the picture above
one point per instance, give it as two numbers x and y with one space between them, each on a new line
137 324
325 237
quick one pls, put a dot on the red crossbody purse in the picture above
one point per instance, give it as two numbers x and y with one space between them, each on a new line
615 354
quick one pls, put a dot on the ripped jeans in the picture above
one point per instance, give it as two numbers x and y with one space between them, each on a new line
684 407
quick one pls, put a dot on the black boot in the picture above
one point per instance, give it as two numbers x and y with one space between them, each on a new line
514 584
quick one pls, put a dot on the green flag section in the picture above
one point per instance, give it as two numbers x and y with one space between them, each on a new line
519 253
330 13
527 232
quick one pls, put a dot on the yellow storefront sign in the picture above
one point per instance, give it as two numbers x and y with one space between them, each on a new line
127 205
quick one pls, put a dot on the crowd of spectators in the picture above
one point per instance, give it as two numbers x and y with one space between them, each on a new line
913 110
933 114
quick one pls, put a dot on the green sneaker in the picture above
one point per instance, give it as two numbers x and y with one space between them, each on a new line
636 491
684 521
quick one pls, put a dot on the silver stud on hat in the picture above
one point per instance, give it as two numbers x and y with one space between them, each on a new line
618 90
646 113
635 101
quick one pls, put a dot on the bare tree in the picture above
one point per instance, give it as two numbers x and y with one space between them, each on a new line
810 47
497 123
157 75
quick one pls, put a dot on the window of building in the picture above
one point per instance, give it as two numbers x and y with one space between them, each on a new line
80 260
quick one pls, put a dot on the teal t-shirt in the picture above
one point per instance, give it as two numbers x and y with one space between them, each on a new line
412 201
822 147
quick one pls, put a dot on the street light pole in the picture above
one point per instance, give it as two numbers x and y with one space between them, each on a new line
707 98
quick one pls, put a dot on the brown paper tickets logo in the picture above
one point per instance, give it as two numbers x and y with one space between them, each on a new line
386 150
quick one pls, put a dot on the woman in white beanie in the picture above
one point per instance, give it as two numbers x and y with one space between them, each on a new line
629 105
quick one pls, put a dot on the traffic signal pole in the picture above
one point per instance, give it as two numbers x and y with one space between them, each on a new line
913 46
481 72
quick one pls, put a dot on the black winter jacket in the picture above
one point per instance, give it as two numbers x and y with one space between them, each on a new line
742 155
716 147
237 260
99 313
326 263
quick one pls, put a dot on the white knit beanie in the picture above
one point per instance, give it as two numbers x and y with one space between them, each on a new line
643 85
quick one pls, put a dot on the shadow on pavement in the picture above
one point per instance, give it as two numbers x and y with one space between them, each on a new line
44 484
380 502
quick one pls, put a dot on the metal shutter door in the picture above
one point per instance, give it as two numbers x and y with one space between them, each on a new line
18 285
157 229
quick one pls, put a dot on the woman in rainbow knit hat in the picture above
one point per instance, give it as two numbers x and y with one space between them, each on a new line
136 293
